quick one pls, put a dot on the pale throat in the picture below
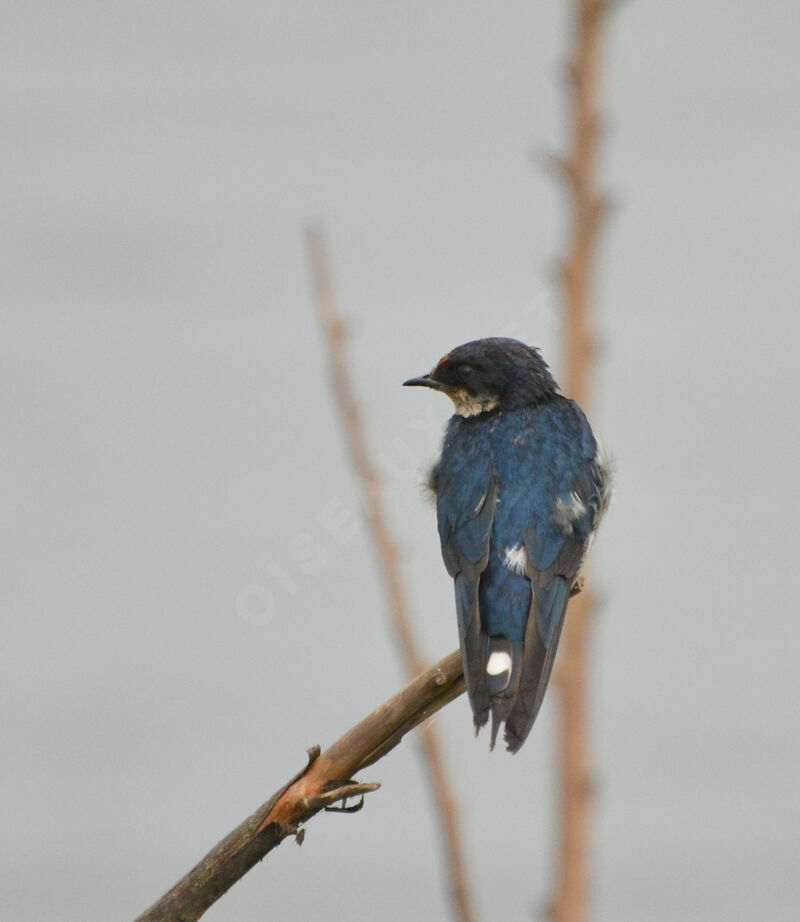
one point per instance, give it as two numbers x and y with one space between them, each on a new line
467 404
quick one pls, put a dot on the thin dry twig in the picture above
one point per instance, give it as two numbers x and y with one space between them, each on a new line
387 557
588 207
325 780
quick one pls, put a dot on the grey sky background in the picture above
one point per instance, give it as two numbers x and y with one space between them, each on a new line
169 443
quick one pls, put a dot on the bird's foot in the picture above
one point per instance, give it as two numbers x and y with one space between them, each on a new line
577 587
340 791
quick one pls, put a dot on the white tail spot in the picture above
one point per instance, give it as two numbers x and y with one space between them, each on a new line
516 559
499 662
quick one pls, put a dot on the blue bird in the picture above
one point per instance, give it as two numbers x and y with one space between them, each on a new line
520 489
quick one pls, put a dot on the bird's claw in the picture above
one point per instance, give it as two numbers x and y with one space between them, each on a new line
341 791
354 808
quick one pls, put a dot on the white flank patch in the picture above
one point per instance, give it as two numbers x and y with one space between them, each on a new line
499 662
584 555
565 512
516 560
606 468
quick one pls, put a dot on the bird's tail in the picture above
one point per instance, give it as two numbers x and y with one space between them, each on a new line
505 677
539 652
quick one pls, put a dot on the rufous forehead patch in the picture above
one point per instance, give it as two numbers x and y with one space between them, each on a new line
444 360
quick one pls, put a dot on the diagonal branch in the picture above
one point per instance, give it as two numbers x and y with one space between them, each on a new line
335 329
325 780
387 557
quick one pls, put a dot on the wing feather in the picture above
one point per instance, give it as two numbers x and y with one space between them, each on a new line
555 551
466 510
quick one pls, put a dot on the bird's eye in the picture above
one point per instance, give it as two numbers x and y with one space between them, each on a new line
465 371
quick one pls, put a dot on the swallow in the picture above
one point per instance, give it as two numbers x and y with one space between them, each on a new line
521 487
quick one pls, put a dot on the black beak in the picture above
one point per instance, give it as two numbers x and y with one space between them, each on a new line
428 381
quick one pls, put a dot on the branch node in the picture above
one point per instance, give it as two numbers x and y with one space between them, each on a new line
602 206
439 679
558 165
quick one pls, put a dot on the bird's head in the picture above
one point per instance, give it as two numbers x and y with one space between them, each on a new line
491 374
